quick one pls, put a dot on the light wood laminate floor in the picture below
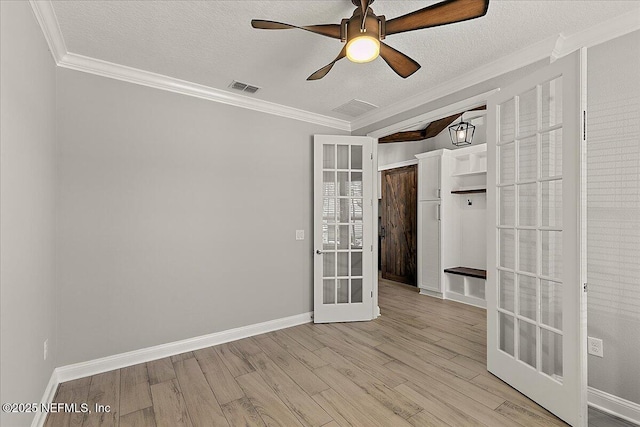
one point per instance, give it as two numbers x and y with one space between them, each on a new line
422 363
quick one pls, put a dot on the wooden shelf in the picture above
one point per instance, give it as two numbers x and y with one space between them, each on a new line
474 191
466 271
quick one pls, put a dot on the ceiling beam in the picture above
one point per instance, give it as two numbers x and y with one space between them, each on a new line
433 129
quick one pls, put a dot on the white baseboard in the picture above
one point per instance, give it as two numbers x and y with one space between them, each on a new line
614 405
47 397
109 363
117 361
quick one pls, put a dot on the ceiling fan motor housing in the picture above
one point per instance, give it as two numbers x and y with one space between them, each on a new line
352 27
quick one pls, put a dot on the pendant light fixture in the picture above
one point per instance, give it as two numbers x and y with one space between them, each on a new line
461 133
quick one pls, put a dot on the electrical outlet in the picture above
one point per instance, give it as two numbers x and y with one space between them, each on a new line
299 234
596 347
46 348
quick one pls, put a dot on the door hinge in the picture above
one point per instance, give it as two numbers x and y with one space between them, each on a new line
371 156
371 294
584 287
584 125
371 248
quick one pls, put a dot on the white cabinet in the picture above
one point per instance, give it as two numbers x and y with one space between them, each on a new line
429 176
429 266
452 223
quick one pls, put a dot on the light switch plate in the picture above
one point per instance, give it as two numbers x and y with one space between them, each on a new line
299 234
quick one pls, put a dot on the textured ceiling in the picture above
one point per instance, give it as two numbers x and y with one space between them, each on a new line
212 43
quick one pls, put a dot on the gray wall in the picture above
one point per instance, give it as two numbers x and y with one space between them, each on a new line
613 214
176 216
27 169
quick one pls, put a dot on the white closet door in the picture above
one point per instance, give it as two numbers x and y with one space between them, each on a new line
429 250
536 329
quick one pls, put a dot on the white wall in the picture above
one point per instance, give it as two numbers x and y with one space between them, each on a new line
27 168
613 214
176 216
397 152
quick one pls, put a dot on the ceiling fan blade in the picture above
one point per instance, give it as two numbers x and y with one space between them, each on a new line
328 30
325 70
446 12
398 61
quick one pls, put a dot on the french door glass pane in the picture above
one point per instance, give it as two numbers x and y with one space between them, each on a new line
528 300
329 156
356 157
507 205
343 210
528 204
551 202
552 254
527 340
507 248
356 183
343 157
343 264
356 209
343 237
507 120
328 237
329 291
551 304
329 210
343 183
507 163
356 263
329 264
552 103
328 184
343 291
551 353
527 251
356 236
507 291
528 112
505 329
528 159
551 152
356 290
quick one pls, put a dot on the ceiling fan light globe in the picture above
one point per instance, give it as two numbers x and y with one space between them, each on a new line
363 49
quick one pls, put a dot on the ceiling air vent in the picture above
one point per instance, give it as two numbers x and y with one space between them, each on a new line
243 87
355 108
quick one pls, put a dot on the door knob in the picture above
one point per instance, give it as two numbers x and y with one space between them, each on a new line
318 251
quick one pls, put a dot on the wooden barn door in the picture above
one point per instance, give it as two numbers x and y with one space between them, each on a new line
399 224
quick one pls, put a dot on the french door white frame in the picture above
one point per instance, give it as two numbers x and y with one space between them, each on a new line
565 396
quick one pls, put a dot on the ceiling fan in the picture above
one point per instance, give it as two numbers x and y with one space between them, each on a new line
364 31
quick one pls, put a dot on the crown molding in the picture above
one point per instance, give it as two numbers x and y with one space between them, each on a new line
46 17
102 68
518 59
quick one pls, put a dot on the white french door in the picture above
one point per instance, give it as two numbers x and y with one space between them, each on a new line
343 228
536 321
